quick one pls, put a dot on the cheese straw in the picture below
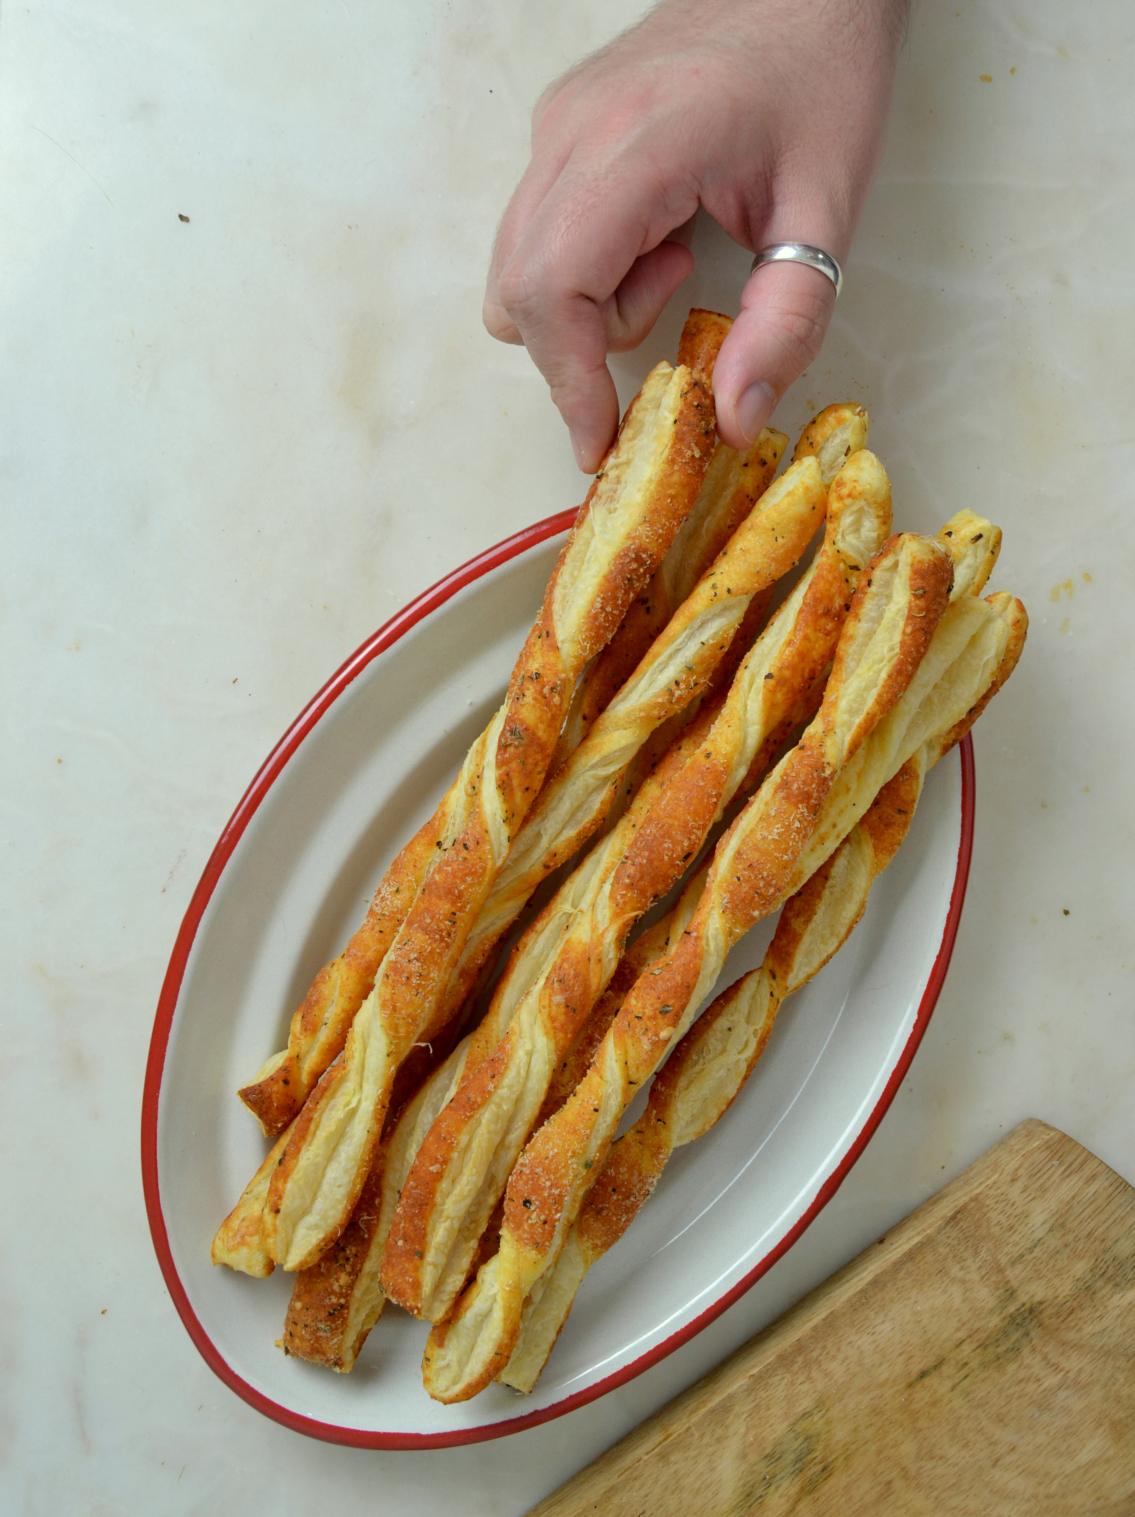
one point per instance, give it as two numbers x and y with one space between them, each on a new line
626 525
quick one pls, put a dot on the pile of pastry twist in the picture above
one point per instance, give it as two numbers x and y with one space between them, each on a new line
452 1147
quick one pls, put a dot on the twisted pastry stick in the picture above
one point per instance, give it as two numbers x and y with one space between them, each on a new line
627 523
700 1081
239 1242
895 611
556 976
725 500
319 1027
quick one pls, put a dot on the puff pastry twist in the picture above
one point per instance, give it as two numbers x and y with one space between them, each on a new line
626 524
832 436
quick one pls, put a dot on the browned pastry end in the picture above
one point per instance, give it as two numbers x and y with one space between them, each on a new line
239 1241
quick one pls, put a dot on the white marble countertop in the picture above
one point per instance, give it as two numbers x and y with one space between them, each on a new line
234 444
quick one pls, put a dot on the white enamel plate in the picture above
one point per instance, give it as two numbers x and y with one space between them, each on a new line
289 881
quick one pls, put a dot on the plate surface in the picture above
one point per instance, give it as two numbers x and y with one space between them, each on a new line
289 880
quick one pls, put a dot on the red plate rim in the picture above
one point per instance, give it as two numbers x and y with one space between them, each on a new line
269 771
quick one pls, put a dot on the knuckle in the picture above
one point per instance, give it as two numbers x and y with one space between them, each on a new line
803 323
517 292
498 323
574 387
549 105
559 101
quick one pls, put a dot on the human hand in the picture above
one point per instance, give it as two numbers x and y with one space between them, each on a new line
769 113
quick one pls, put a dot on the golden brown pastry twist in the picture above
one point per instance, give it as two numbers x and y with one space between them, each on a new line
732 485
319 1027
627 523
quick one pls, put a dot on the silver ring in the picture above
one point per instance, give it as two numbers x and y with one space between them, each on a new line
801 252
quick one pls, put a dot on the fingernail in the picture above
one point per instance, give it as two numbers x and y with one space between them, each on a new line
754 407
583 456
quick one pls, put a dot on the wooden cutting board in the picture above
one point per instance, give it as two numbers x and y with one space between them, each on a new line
979 1359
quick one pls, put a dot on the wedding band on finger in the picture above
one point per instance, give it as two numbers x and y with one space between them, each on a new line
801 252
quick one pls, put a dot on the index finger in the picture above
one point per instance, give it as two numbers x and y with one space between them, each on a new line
590 270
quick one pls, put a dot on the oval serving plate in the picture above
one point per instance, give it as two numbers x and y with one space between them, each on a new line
288 882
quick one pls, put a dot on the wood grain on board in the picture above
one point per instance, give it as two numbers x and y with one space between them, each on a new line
979 1359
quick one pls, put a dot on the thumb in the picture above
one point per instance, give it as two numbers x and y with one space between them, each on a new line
785 310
